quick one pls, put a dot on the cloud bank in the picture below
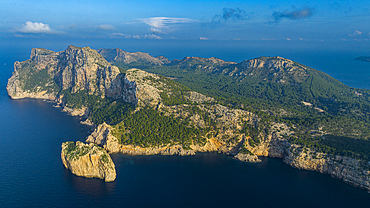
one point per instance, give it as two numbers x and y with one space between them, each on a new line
146 36
165 22
36 27
294 14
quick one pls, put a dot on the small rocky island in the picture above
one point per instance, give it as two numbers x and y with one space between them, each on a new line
363 58
88 160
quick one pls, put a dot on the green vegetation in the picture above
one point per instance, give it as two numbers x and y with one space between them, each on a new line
344 122
105 158
111 113
102 110
172 93
35 80
148 127
244 150
82 98
74 152
335 118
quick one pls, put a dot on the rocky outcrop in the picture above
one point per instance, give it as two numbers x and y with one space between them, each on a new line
88 160
85 69
140 88
42 63
275 69
350 170
47 72
118 55
82 112
247 157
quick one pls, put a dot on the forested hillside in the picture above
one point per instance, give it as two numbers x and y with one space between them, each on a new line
316 105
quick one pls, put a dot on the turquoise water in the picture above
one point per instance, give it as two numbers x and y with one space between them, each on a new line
32 174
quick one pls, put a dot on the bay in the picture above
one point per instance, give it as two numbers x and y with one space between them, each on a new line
32 174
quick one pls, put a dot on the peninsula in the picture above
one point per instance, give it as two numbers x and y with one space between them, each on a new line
263 107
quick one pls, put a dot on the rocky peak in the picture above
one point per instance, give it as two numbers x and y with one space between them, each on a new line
76 68
118 55
86 69
276 69
141 86
163 59
35 52
275 62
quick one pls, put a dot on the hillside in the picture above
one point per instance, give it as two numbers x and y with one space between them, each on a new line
268 106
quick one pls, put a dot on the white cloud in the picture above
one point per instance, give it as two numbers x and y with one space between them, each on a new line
156 31
203 38
119 35
106 27
36 27
152 36
146 36
164 22
355 33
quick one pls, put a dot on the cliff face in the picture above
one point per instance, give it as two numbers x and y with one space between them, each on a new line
85 69
47 72
350 170
88 160
34 78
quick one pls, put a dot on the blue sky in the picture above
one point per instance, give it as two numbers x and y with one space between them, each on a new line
272 21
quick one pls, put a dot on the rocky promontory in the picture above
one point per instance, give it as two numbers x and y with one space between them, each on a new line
88 160
135 112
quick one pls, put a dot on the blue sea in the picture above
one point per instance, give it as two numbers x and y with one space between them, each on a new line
32 173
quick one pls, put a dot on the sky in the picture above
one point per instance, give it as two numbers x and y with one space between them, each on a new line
306 23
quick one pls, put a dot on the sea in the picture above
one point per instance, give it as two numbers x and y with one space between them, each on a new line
32 173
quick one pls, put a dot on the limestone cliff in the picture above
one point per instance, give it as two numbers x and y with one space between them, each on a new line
88 160
34 78
353 171
48 72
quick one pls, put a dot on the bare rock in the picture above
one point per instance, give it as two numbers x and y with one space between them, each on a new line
88 160
247 158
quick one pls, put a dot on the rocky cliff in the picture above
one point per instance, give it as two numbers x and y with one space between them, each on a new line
48 72
88 160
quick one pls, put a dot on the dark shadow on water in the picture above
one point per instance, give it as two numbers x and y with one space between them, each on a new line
91 187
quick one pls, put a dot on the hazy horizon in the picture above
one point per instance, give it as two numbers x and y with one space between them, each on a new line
198 27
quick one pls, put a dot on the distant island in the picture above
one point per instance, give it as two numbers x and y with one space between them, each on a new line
363 58
262 107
